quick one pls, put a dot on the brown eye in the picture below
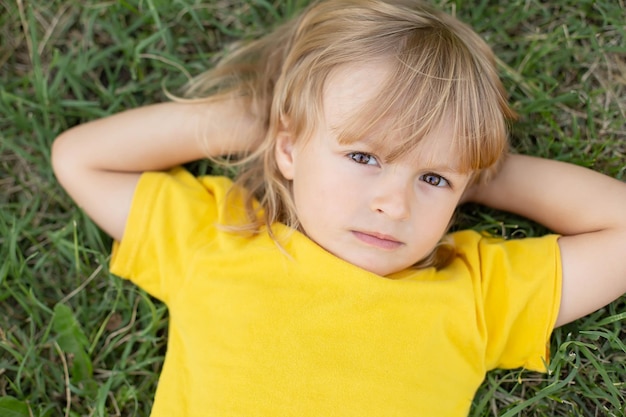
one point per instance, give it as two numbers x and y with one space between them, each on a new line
435 180
363 158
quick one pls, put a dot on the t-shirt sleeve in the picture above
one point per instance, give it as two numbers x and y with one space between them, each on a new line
520 282
171 215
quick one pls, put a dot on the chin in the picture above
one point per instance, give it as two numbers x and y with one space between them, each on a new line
379 270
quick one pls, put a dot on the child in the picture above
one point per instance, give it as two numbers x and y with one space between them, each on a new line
323 282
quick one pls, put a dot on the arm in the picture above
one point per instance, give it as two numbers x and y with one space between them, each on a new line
587 208
99 163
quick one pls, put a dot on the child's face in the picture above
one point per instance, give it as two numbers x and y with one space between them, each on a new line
381 216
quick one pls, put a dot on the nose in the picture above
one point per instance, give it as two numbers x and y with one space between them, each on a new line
392 197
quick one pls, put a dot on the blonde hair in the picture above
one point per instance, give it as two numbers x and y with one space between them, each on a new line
440 69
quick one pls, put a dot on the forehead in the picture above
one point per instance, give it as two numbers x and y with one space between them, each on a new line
351 88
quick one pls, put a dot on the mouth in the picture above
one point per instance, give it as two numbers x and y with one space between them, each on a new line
378 240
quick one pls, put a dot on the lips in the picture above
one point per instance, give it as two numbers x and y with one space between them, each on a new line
378 240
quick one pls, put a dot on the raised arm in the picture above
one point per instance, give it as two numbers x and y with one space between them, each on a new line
587 208
99 163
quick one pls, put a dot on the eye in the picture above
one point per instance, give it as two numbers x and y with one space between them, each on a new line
435 180
363 158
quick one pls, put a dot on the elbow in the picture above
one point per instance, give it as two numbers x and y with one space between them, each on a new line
65 159
56 154
59 155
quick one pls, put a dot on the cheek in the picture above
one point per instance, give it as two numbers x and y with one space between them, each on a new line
441 219
316 178
323 200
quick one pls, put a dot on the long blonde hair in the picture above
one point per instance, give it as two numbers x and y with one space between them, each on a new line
441 69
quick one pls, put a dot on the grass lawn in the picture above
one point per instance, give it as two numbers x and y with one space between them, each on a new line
75 341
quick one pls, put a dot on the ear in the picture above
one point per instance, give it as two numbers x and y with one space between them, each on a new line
284 151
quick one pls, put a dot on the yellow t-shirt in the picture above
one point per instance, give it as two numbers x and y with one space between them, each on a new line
259 331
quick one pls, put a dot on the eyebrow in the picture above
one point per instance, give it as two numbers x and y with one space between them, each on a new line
436 166
445 168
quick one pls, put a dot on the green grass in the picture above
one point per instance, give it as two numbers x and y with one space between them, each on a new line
76 341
